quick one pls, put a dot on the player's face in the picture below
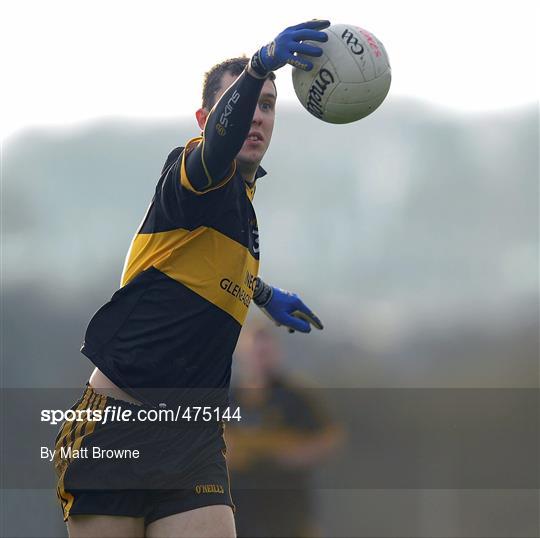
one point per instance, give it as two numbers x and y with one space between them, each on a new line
262 125
265 352
258 357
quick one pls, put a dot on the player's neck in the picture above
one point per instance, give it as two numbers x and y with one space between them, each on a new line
248 171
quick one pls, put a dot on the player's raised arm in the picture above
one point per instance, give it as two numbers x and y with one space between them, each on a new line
210 162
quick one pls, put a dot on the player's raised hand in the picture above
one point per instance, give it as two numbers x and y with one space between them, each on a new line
287 309
288 48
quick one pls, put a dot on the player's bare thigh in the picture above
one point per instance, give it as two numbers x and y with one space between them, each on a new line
105 527
207 522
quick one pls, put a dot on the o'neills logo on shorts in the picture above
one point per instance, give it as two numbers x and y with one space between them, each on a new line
209 488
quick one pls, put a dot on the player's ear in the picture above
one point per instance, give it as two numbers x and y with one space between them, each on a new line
201 116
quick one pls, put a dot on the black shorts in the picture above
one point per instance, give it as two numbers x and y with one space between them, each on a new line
138 468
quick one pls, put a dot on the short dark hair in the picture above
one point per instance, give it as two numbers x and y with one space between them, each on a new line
212 79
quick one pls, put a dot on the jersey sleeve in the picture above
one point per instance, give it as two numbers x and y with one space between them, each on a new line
197 145
177 203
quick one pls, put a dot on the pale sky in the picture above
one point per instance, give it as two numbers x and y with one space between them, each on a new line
64 62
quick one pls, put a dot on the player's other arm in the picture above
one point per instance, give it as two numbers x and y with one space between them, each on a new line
285 308
211 162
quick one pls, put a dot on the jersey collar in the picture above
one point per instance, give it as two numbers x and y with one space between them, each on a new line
250 187
260 173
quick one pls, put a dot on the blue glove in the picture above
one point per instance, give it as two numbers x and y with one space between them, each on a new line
287 46
285 308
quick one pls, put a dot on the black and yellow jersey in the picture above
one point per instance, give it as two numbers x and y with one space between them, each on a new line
187 283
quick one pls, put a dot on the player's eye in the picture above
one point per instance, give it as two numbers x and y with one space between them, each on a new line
266 107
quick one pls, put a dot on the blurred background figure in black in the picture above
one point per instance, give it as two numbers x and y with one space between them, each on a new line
284 435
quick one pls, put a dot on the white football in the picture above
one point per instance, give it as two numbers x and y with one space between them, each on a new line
351 78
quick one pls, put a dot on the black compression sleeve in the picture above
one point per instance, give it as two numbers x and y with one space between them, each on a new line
225 131
262 293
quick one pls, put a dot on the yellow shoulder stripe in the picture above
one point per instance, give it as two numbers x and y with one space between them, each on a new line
186 183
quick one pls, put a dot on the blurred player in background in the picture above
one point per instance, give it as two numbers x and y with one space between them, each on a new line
284 435
189 277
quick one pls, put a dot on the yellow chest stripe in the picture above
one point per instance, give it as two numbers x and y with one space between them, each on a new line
206 261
